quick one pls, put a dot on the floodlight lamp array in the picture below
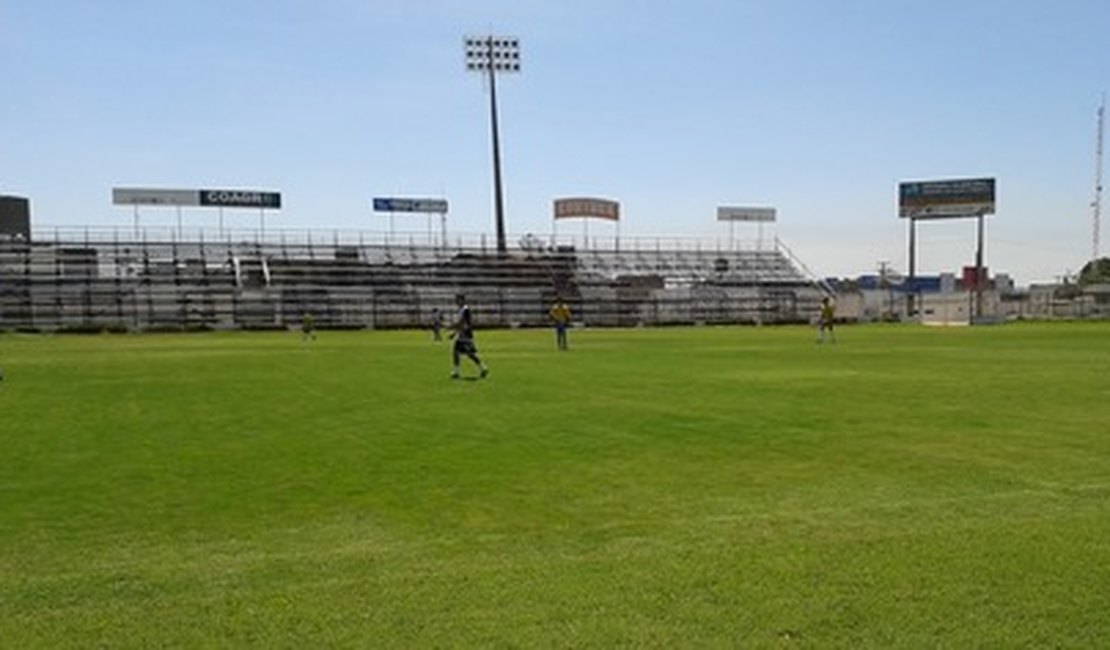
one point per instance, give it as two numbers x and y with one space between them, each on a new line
499 52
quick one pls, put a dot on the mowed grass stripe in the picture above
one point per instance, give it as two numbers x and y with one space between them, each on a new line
709 486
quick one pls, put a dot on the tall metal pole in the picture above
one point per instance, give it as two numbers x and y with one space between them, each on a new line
913 268
498 200
493 55
979 272
1096 204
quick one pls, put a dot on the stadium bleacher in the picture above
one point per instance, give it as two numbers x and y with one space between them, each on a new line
73 283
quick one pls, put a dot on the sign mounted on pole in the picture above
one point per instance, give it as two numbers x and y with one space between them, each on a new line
726 213
240 199
587 207
393 204
947 199
141 196
201 198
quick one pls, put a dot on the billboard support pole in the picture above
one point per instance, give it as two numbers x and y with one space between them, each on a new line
585 208
948 199
732 214
205 198
913 267
979 271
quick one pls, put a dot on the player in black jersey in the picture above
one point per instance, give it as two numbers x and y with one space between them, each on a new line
463 333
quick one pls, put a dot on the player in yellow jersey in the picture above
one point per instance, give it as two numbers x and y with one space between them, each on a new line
560 314
308 327
825 320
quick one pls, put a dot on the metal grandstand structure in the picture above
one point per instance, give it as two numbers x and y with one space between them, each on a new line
160 279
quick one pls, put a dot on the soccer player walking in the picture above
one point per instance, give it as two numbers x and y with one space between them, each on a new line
462 330
825 320
437 324
308 327
560 313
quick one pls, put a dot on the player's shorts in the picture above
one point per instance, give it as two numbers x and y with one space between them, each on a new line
465 346
560 327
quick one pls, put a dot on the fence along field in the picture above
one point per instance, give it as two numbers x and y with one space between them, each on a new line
715 486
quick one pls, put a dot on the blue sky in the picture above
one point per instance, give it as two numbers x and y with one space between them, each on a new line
818 108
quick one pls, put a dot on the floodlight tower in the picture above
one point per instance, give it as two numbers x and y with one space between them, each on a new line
493 54
1096 204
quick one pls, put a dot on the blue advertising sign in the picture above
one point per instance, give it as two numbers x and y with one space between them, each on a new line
945 199
394 204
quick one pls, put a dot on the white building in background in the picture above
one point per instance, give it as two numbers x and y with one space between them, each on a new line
945 299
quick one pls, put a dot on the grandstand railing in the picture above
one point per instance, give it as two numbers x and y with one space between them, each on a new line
117 278
410 238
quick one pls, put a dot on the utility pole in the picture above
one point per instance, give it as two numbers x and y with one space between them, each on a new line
1096 204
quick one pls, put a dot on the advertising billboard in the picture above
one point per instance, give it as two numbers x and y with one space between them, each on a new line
727 213
582 207
143 196
393 204
15 218
195 198
946 199
240 199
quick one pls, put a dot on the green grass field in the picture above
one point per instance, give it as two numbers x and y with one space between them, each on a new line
711 487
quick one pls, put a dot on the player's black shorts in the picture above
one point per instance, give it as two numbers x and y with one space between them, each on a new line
465 346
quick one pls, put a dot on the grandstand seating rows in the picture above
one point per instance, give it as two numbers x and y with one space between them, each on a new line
145 285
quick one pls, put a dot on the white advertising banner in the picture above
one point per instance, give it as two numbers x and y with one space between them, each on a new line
727 213
205 198
144 196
